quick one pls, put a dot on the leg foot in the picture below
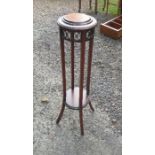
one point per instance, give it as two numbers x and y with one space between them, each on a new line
91 107
61 113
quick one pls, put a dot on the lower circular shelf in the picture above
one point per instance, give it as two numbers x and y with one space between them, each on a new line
72 98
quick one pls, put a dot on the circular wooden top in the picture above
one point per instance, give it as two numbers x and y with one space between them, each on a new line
77 18
77 21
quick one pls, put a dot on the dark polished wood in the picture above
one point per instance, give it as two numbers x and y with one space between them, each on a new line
89 68
61 113
72 61
89 64
76 18
77 21
91 107
82 59
63 64
63 75
79 28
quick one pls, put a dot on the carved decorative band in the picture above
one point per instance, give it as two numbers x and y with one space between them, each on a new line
66 35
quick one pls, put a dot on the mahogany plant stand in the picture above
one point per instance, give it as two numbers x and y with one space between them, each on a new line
76 27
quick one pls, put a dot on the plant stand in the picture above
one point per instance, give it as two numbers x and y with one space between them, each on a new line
76 27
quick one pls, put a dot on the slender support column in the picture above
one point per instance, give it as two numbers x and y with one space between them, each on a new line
83 38
63 75
89 66
72 61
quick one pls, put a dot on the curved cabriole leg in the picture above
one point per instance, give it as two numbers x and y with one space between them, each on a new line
63 74
89 66
61 113
83 38
91 107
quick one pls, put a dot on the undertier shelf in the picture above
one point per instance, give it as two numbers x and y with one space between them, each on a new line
72 98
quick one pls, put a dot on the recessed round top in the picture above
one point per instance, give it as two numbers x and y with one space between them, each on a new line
76 18
77 21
